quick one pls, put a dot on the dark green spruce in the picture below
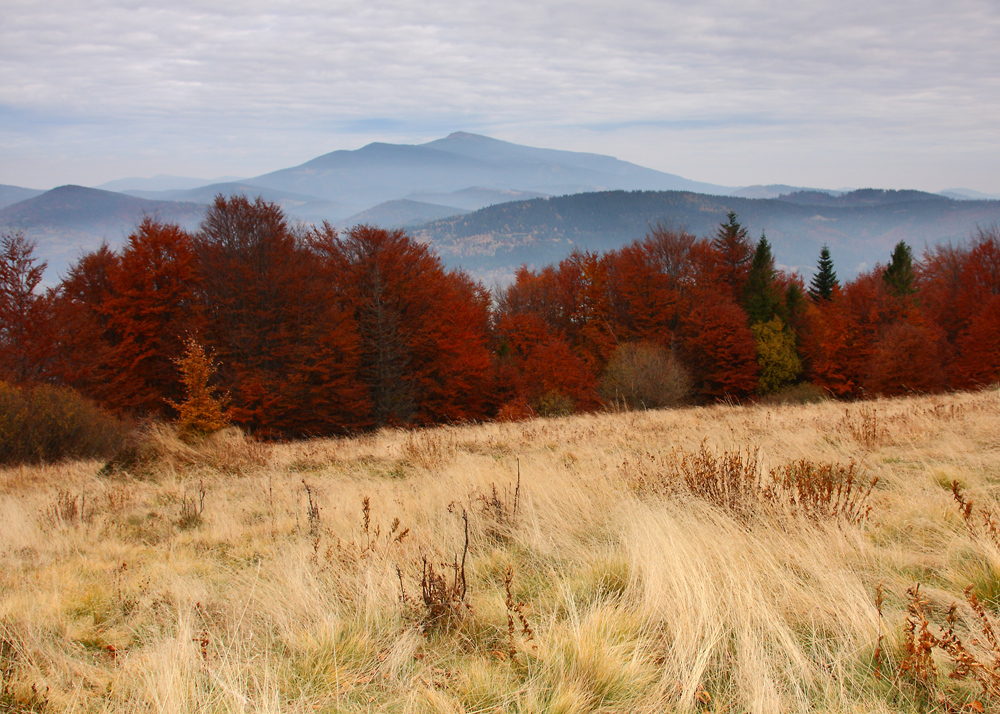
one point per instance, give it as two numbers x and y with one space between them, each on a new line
761 297
898 276
825 279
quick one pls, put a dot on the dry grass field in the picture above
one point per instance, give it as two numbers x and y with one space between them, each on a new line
704 559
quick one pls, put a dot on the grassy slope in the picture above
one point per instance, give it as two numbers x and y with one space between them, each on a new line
636 602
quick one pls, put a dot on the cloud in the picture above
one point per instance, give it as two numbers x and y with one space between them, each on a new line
203 82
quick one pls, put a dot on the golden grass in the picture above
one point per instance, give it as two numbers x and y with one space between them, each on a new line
596 595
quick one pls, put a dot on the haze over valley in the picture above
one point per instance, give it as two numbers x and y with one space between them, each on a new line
488 206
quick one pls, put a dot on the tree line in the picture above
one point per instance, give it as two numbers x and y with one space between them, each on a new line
318 331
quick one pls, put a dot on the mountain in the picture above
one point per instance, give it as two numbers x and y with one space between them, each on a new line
401 214
68 220
860 227
382 172
475 197
296 205
10 195
774 190
160 182
966 194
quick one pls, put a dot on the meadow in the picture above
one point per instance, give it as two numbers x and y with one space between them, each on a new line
723 559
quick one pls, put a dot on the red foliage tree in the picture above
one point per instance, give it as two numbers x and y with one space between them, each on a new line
906 359
150 308
649 284
979 344
423 331
720 350
82 338
288 352
25 312
586 310
535 363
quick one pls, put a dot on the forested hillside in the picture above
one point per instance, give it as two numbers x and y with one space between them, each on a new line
861 227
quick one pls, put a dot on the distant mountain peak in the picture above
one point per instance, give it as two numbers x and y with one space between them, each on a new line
469 135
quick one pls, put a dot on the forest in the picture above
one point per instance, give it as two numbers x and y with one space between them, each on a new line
314 331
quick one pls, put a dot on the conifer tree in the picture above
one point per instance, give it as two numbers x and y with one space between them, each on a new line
734 250
761 299
898 276
825 280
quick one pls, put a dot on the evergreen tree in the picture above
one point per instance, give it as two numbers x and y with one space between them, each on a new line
734 249
825 279
899 275
760 296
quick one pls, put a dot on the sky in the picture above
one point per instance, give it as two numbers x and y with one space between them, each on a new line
826 93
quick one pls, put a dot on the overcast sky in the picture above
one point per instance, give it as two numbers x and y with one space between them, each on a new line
831 94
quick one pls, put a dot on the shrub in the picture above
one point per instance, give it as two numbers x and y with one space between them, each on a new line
802 393
44 423
643 375
554 404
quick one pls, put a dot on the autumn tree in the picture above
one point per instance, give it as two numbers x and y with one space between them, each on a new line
906 359
25 311
151 303
645 375
720 350
779 362
979 360
83 340
423 355
824 282
536 367
202 411
649 285
586 309
288 348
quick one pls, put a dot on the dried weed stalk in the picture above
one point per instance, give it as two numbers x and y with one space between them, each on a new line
967 657
734 482
312 510
514 609
68 509
192 508
988 526
864 427
822 491
499 508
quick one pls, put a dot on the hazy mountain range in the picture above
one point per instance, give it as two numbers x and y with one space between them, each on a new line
860 227
457 193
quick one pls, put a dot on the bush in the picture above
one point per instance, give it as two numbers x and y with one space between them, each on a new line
554 404
45 423
643 375
802 393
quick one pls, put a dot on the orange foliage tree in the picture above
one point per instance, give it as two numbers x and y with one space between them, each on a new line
202 411
906 359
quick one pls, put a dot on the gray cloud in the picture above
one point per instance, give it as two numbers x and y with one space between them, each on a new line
825 93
